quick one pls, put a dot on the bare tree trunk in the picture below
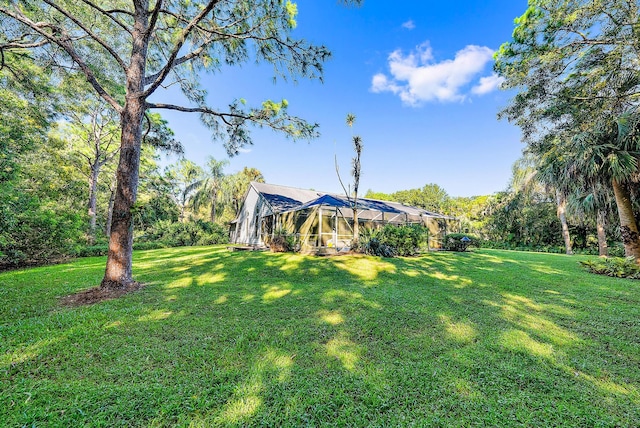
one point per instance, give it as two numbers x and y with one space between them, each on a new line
93 191
562 215
356 227
112 198
603 248
118 273
181 216
213 207
628 223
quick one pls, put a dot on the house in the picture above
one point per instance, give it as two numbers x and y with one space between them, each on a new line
320 220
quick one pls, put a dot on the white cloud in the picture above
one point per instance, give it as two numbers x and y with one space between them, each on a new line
417 78
488 84
409 25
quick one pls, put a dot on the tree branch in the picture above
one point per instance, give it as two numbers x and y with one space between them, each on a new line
206 110
64 42
90 33
108 14
153 21
176 48
340 179
191 55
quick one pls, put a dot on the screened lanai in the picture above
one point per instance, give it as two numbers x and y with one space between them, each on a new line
322 221
327 221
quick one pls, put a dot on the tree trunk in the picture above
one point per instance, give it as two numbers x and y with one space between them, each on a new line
112 198
213 207
562 215
181 215
356 228
93 191
603 248
118 273
628 223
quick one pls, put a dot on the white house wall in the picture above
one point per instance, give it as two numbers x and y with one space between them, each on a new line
249 219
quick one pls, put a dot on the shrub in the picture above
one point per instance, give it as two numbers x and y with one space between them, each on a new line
169 234
392 240
460 241
33 234
147 245
371 243
281 241
615 266
91 250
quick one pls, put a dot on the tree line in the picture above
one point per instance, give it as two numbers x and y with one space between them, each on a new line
524 216
126 51
574 68
59 147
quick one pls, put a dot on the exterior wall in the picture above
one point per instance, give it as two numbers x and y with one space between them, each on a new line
249 220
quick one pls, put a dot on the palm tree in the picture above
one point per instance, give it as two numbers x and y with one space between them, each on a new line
185 176
234 187
355 173
209 188
543 169
553 163
595 200
610 150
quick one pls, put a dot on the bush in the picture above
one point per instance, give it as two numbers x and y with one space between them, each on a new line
460 242
91 251
371 243
392 240
281 241
33 234
166 233
147 246
616 267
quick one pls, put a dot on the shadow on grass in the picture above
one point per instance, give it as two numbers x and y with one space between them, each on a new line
221 338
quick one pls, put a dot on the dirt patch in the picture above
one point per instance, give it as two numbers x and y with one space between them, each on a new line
99 294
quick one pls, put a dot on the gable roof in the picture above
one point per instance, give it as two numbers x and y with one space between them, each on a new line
342 202
284 199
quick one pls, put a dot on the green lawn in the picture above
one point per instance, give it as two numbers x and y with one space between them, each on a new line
489 338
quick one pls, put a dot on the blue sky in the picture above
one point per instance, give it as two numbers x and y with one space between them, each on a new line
418 76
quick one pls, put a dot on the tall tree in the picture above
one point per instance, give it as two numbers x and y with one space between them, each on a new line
93 134
573 63
352 197
210 187
235 187
551 163
142 45
186 177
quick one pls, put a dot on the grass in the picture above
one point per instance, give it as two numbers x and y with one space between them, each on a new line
489 338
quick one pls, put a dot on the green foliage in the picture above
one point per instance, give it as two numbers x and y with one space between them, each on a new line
576 100
458 241
430 197
615 266
392 240
370 243
33 234
282 241
235 187
103 249
522 221
170 234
